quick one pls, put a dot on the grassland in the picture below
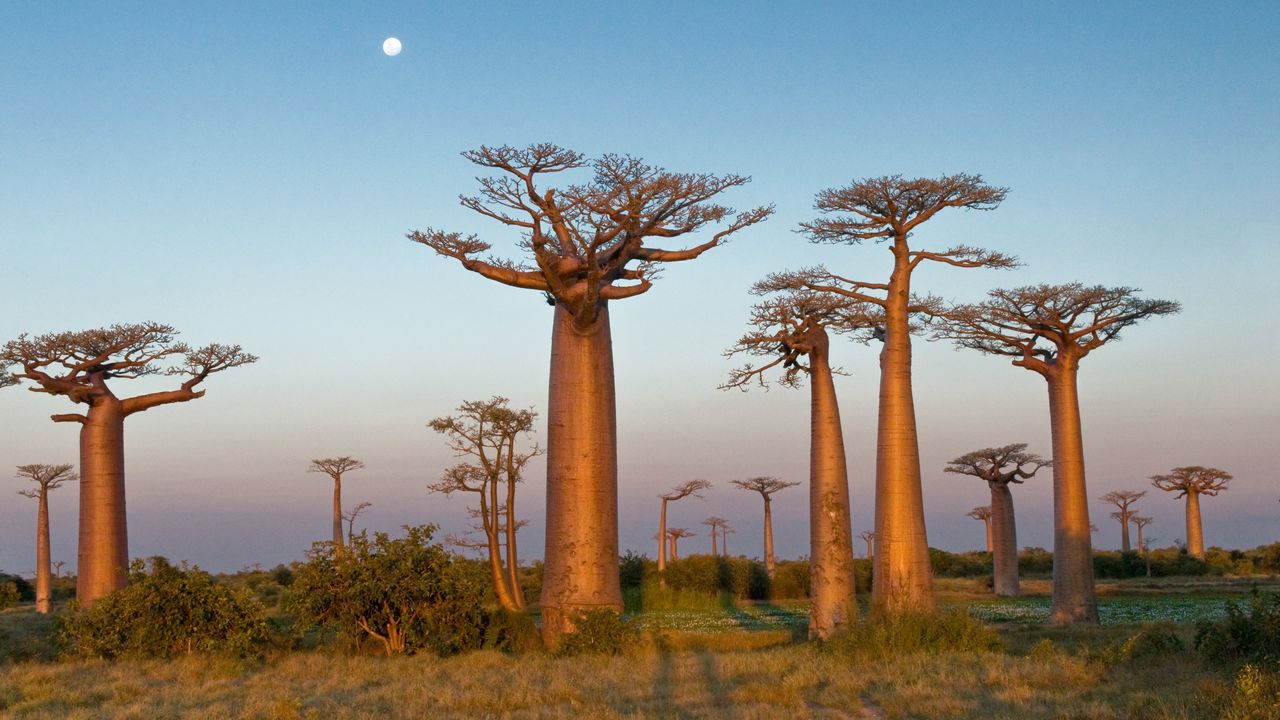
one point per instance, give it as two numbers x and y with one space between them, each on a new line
731 662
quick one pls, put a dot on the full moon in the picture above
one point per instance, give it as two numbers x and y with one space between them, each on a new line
391 46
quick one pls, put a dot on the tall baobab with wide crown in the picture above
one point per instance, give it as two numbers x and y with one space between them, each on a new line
1000 467
890 210
766 486
1073 320
715 523
791 329
82 366
983 513
1192 481
869 537
335 468
1123 500
692 488
46 478
584 239
488 431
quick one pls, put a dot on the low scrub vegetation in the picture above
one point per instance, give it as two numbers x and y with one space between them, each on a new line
1247 633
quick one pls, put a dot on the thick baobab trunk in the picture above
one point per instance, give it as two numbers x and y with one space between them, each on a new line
102 563
831 588
662 541
44 568
902 579
1195 535
990 545
1124 535
581 570
714 551
337 513
1074 600
1004 536
769 564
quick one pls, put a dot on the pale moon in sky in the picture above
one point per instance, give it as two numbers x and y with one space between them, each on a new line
391 46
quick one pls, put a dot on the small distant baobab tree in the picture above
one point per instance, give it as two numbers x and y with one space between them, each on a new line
674 535
1191 482
335 468
1140 522
1000 467
766 486
350 517
1073 321
692 488
584 239
82 366
1123 500
890 210
57 567
869 537
715 523
983 513
488 432
46 478
725 531
791 328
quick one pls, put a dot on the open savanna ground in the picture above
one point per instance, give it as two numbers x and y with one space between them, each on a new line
744 660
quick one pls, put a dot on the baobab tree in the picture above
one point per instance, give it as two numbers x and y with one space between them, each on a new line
57 567
488 432
350 517
766 486
1141 522
890 210
869 537
1073 320
983 513
46 478
82 366
715 523
584 239
1000 467
692 488
1123 500
725 531
674 535
335 468
1192 481
792 330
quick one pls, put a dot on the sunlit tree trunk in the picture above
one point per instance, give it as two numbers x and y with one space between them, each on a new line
337 512
489 512
103 556
581 564
831 584
1074 600
1124 535
902 577
714 551
1004 541
1195 535
44 567
513 559
769 563
662 541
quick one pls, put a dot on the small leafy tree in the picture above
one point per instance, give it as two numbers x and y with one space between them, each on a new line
165 611
408 592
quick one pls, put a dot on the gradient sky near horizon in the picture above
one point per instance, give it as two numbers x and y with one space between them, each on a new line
247 171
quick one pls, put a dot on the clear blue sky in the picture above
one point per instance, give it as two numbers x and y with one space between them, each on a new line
247 171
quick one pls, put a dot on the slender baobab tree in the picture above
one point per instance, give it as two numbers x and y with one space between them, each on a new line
1192 481
488 432
1124 500
791 330
335 468
983 513
674 536
1140 522
350 516
1000 467
46 478
890 210
57 567
869 537
1073 320
766 486
679 492
725 531
583 239
80 365
714 523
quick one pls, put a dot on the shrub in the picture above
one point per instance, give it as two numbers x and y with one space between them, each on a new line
903 633
510 632
599 632
165 611
1035 561
1255 696
1245 634
409 593
1153 640
25 589
966 564
8 595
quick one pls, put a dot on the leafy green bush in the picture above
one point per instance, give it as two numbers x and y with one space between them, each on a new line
599 632
165 611
966 564
8 595
409 593
1035 561
26 590
1251 633
903 633
510 632
1153 640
